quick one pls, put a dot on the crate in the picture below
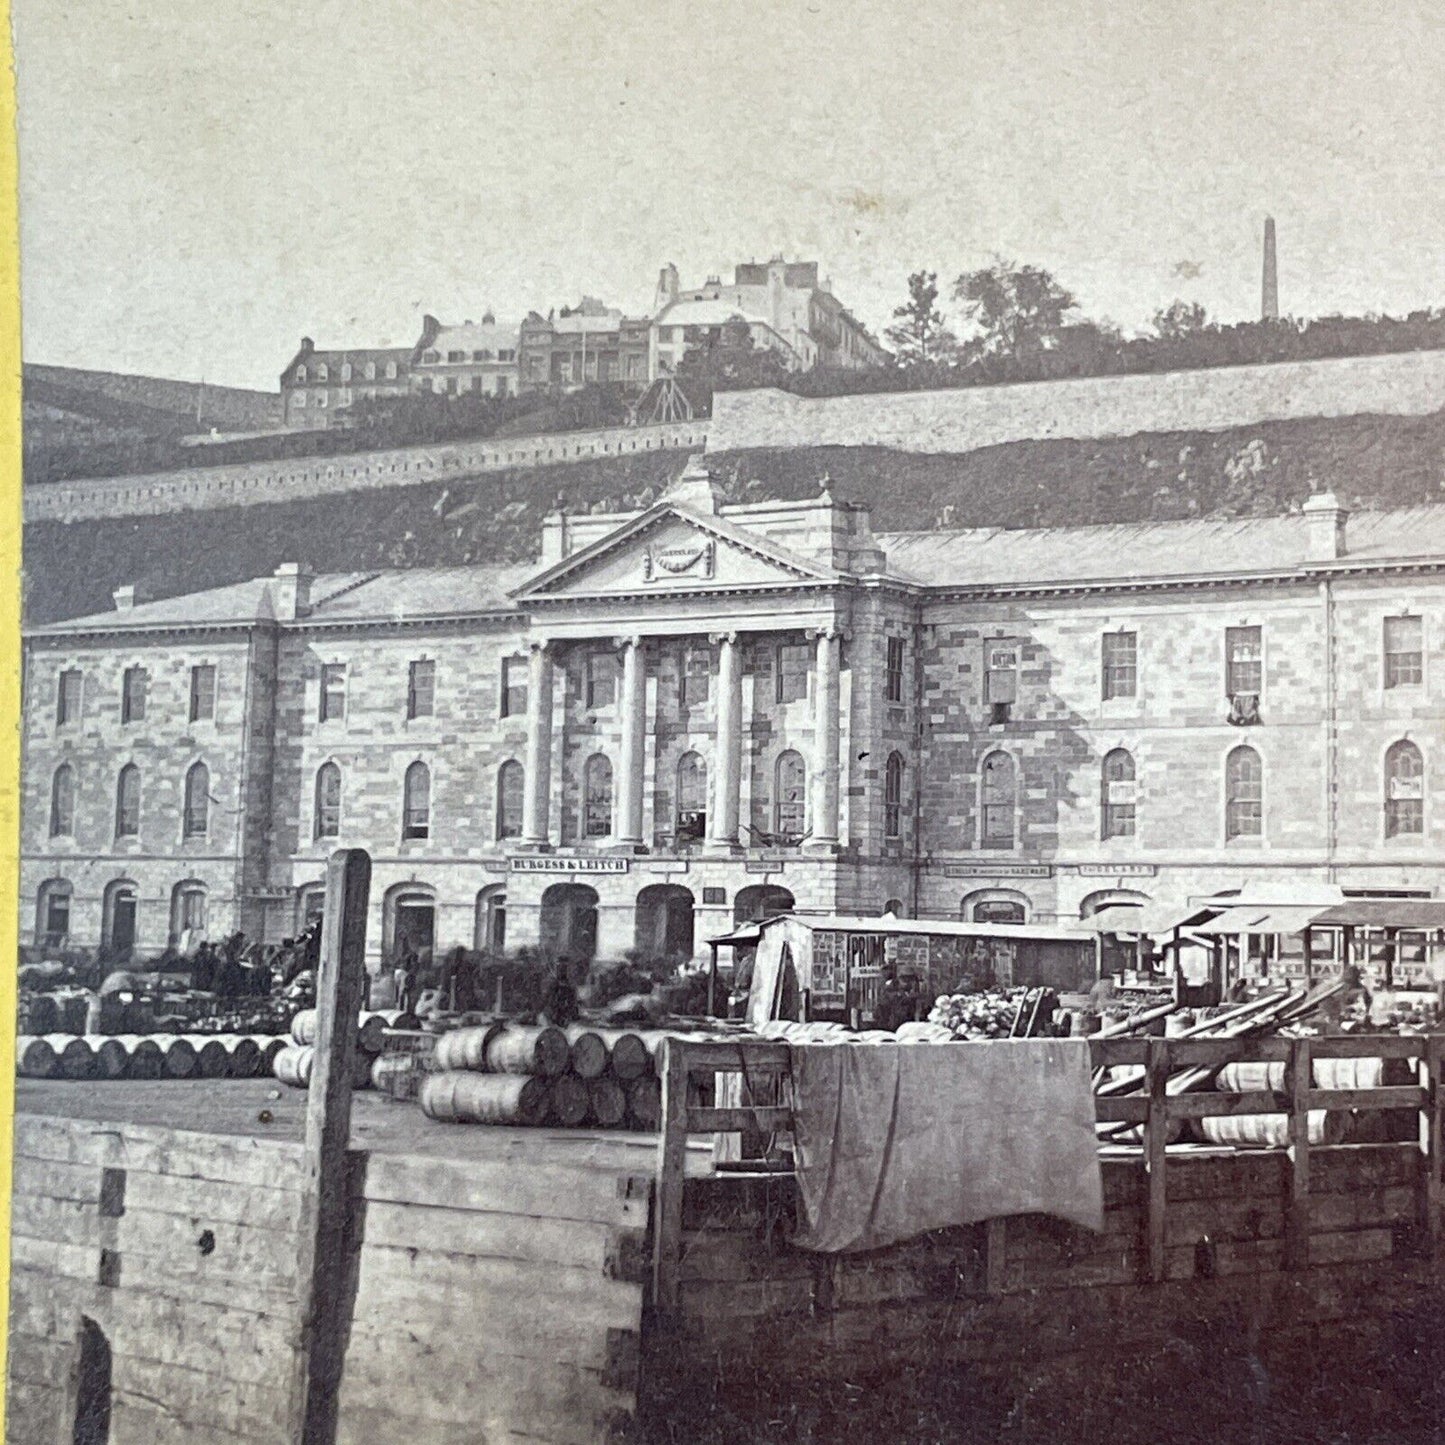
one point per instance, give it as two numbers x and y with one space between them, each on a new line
415 1051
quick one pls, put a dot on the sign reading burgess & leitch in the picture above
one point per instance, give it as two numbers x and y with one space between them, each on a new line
561 863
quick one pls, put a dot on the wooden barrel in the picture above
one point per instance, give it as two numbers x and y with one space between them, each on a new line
627 1053
467 1098
146 1059
35 1058
589 1052
270 1045
73 1013
570 1100
75 1058
644 1103
1245 1078
303 1026
44 1015
465 1048
389 1070
245 1056
112 1059
923 1033
607 1101
369 1030
293 1065
529 1049
212 1058
1271 1131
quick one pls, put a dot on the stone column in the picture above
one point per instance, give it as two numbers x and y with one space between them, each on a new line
823 824
722 818
632 761
537 805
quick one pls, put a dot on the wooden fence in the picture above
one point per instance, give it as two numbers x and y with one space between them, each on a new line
764 1070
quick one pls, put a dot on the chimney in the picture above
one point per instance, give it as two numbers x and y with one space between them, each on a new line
1325 527
291 592
126 597
666 287
1269 307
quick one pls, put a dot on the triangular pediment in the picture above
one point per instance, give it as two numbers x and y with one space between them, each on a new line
671 549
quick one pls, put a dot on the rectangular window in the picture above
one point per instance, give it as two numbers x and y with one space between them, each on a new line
514 686
792 670
893 675
421 689
67 697
333 691
1244 661
1001 679
696 676
1404 652
203 692
1121 664
601 684
133 695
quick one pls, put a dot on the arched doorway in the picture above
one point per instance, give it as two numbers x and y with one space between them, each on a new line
994 905
491 935
665 921
409 922
568 927
118 918
1109 898
188 914
52 913
759 901
310 905
92 1386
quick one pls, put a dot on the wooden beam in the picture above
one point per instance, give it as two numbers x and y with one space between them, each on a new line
1297 1214
1156 1143
671 1157
325 1184
1433 1130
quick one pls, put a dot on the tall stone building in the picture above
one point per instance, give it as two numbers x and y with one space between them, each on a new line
318 387
682 717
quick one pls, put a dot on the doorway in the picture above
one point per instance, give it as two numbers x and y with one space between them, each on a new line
665 921
414 930
92 1394
568 926
121 902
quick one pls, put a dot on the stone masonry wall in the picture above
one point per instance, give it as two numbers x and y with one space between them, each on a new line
1403 384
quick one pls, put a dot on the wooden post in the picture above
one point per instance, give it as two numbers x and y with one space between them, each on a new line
325 1192
712 982
1309 939
1433 1131
1156 1143
1297 1216
671 1158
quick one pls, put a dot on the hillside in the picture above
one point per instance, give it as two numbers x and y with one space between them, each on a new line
1371 462
227 408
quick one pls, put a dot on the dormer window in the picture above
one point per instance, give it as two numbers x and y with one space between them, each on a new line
323 372
301 375
370 371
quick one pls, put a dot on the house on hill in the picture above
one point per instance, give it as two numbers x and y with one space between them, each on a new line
318 386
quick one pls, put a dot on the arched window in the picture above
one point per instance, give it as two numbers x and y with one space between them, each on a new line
691 798
416 802
1117 803
62 802
301 373
328 801
664 921
127 802
198 801
998 801
188 912
759 901
1243 794
52 912
322 374
893 796
994 905
120 905
408 921
491 934
1404 790
391 371
509 799
346 371
597 797
790 804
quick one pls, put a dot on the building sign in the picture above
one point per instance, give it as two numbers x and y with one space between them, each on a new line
750 866
693 559
1114 870
998 870
552 863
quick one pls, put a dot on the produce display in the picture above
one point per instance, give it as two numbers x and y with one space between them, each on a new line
996 1013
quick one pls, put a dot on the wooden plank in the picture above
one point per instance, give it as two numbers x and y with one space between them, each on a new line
1121 1109
765 1119
486 1235
231 1159
1297 1214
1156 1141
1367 1046
207 1403
749 1057
551 1190
995 1252
671 1155
51 1179
1433 1140
1117 1053
159 1248
48 1304
1207 1053
1212 1105
1362 1208
1392 1096
1351 1246
325 1217
720 1254
214 1203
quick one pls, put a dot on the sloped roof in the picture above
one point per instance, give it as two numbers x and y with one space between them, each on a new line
1129 551
240 602
475 336
707 312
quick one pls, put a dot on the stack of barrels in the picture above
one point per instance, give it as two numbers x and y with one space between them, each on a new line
146 1056
535 1074
294 1062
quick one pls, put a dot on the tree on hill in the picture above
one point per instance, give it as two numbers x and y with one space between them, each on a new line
728 359
1019 310
1180 319
921 337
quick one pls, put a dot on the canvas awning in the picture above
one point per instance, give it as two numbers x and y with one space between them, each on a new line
1411 913
1281 918
1142 918
742 936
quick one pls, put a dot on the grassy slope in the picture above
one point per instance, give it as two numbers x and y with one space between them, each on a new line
1258 470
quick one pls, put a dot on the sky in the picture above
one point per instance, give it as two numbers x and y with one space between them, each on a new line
202 184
